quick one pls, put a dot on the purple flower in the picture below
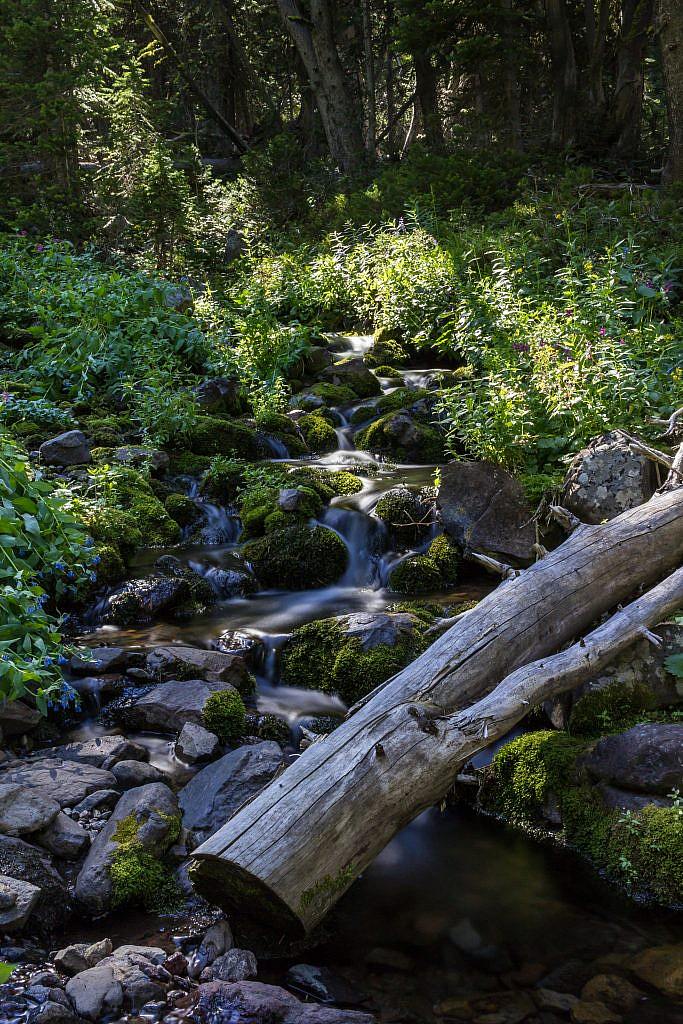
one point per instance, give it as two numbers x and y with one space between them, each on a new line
40 248
603 332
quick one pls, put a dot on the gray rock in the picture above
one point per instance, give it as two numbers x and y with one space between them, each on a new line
214 794
101 749
17 718
136 773
373 629
196 744
97 951
216 941
135 455
22 898
291 499
66 782
141 600
240 644
321 983
68 449
219 394
623 800
172 662
24 810
105 659
64 838
50 979
235 965
231 582
101 800
168 706
267 1004
155 808
71 959
647 758
96 992
484 508
352 373
178 297
52 1012
27 863
606 478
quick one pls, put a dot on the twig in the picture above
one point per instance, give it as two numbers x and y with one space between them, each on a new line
567 520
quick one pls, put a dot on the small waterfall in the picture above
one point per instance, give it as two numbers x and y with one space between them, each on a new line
345 444
365 538
277 448
221 527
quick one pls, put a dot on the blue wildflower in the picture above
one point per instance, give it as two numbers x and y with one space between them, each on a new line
47 662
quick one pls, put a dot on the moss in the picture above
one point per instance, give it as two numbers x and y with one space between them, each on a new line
417 574
188 464
213 435
388 371
112 527
320 436
319 656
641 850
537 486
111 566
401 398
105 431
446 557
182 509
298 558
612 708
387 348
275 423
272 727
225 716
405 513
418 442
327 483
140 876
327 394
131 492
350 373
362 414
327 889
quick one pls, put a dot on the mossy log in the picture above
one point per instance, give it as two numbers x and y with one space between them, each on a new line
287 856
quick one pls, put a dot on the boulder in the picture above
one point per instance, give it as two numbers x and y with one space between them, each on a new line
64 838
17 718
135 455
606 478
26 863
155 808
18 900
105 659
373 629
219 394
100 800
142 600
235 965
125 979
136 773
482 507
71 959
24 810
193 663
168 706
196 744
64 782
216 941
267 1004
240 644
647 758
352 373
662 968
400 435
68 449
214 794
231 582
101 751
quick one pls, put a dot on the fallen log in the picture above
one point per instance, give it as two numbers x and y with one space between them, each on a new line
288 855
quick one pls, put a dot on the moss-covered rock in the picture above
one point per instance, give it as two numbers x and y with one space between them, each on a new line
319 435
298 558
269 727
611 708
131 492
406 513
213 435
111 567
321 395
106 431
112 527
188 464
353 373
415 575
141 876
362 414
351 657
412 399
403 438
446 557
387 348
182 509
224 715
539 777
390 372
327 483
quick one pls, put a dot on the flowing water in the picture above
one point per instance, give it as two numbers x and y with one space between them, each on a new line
397 935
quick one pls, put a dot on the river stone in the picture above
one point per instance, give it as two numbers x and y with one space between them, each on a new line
606 478
373 629
194 663
71 959
241 645
613 990
135 455
231 582
219 394
267 1004
647 758
101 749
156 809
27 863
483 508
66 782
661 967
17 718
168 706
100 800
196 744
105 659
322 984
64 838
235 965
68 449
141 600
352 373
19 900
24 810
217 791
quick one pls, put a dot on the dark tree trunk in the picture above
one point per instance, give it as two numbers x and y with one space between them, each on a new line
238 71
564 74
636 19
596 37
427 97
670 31
369 81
317 47
510 37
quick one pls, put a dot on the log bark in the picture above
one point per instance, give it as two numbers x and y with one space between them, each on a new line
287 856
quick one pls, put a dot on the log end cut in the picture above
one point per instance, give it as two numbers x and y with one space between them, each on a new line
229 886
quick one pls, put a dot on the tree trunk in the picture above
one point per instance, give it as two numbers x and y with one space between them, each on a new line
564 74
287 856
369 77
427 96
670 31
316 44
511 49
596 32
636 19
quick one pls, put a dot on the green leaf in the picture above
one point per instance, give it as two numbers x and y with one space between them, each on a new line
674 665
6 970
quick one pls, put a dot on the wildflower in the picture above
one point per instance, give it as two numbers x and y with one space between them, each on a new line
40 248
92 576
61 660
603 332
47 662
71 574
96 560
59 566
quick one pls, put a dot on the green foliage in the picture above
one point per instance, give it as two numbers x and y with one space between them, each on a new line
182 509
211 435
446 557
612 708
416 574
297 558
319 435
45 556
141 877
224 715
320 657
